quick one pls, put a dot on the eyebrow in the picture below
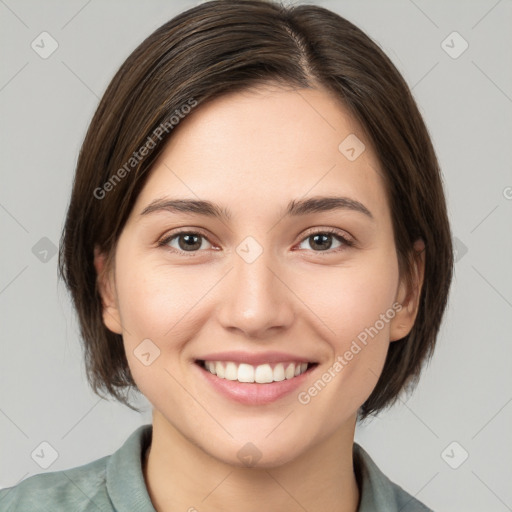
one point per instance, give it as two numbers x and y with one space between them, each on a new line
295 207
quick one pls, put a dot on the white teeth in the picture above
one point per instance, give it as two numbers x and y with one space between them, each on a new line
219 370
231 372
245 373
263 374
290 371
279 372
260 374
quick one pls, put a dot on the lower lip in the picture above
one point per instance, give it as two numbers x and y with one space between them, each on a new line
252 393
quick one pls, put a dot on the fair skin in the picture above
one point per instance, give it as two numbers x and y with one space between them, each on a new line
253 153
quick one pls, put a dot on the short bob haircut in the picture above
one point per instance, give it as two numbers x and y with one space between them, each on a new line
220 47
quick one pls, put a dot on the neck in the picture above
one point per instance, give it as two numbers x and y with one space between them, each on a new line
181 476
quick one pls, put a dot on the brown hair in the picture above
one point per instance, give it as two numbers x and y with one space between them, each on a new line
220 47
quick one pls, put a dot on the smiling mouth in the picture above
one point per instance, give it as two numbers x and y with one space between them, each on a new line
256 374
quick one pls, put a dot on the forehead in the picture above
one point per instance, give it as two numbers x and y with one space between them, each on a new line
267 145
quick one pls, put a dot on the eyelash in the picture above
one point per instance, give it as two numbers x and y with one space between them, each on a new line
330 231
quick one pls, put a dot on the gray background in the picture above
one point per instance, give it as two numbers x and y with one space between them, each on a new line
465 393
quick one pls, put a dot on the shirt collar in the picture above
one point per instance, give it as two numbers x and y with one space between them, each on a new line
375 489
125 480
127 488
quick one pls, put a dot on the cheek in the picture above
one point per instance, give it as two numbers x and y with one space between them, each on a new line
353 298
156 300
166 305
156 304
357 306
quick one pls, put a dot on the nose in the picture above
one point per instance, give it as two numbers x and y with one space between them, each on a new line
255 299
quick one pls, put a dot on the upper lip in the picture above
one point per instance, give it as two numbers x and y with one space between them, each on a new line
254 358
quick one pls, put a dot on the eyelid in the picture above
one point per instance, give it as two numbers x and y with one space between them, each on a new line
167 237
344 235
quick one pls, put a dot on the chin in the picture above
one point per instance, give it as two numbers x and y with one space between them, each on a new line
257 453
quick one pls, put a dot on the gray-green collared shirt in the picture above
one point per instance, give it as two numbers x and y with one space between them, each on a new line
116 483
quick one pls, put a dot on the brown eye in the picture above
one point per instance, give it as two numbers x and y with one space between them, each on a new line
185 241
189 241
322 241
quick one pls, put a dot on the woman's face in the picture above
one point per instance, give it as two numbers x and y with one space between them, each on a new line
319 284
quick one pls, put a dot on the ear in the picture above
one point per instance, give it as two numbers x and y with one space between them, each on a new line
107 290
408 295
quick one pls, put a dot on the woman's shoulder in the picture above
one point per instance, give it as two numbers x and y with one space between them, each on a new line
82 488
113 482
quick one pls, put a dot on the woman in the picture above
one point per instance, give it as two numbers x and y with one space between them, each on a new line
257 241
